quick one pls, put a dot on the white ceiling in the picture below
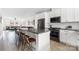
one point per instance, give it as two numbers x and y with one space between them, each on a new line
20 12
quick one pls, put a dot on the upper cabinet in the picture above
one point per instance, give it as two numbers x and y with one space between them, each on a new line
55 12
76 14
67 15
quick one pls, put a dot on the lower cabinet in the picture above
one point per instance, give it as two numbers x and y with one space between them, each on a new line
69 37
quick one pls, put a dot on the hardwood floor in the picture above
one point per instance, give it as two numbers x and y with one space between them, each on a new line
56 46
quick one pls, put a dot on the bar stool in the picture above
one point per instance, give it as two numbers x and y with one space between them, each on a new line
20 41
25 41
32 40
29 41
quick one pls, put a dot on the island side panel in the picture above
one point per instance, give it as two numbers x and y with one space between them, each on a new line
43 41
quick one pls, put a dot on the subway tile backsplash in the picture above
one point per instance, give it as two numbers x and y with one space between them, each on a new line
75 25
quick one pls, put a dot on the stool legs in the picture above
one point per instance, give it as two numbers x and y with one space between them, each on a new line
25 42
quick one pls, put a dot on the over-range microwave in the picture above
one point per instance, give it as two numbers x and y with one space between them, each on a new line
55 19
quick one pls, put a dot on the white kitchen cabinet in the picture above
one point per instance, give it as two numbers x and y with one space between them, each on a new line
43 41
77 39
63 36
63 15
76 15
55 12
67 15
69 37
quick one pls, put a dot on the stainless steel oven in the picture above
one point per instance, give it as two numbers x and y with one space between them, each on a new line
54 34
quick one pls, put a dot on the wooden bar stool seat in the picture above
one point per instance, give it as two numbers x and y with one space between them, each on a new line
20 40
31 39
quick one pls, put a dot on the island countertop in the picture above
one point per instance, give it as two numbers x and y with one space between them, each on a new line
28 29
36 31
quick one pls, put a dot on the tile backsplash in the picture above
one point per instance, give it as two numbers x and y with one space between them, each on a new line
75 25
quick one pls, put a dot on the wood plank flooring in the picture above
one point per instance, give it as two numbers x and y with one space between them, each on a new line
56 46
